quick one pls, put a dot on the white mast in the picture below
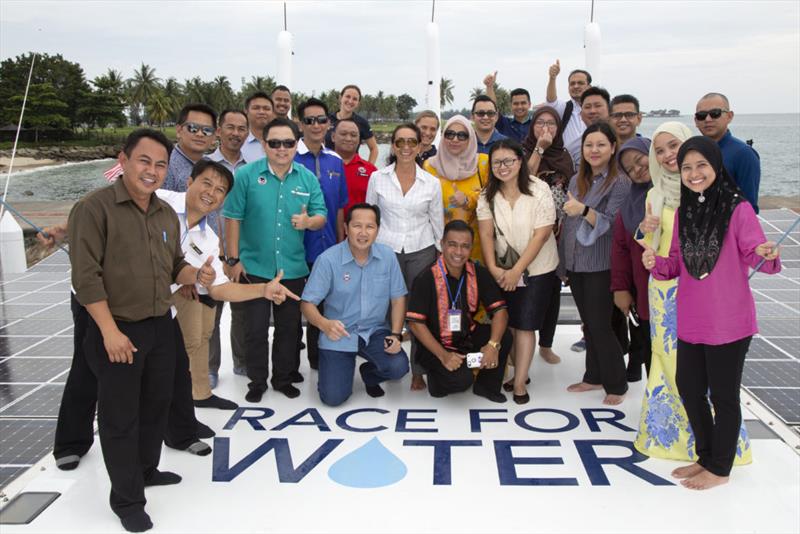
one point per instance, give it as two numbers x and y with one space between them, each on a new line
591 44
285 39
434 70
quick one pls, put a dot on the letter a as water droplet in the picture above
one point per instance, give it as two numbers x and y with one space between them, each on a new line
370 466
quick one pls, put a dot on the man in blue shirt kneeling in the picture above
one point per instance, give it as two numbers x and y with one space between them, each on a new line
358 279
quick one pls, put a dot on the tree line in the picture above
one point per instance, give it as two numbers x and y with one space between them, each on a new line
61 97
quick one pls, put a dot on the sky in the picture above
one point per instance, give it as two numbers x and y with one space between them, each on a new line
667 53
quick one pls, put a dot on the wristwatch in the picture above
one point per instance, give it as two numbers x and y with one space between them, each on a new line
539 150
397 335
494 344
231 261
585 211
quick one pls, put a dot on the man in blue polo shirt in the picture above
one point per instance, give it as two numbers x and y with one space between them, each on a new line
516 127
712 117
358 279
484 118
272 204
327 166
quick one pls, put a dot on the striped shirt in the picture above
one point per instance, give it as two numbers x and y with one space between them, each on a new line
583 248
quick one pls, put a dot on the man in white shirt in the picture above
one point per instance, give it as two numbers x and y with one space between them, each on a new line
206 189
260 111
579 81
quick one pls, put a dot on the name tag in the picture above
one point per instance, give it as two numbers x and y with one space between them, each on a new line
454 320
196 249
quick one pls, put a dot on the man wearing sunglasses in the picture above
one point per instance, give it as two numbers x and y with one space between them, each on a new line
712 116
196 133
327 166
484 117
625 117
273 202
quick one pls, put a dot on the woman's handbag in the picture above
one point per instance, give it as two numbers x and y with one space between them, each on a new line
511 256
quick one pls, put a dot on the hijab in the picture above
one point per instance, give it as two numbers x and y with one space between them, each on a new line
464 165
666 185
556 164
632 210
703 217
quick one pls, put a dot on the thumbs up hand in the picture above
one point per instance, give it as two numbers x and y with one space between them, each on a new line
300 220
489 80
651 222
573 207
206 273
648 258
555 68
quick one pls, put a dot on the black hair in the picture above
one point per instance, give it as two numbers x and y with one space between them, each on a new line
281 88
145 133
457 225
624 99
231 110
257 94
581 71
584 178
483 98
524 178
596 91
411 126
351 120
301 109
281 121
200 108
204 164
520 91
363 206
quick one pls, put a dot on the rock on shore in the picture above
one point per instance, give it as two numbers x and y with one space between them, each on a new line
50 155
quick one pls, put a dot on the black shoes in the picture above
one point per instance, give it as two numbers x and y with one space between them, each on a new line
216 402
162 478
137 522
289 390
522 399
488 395
254 394
509 386
204 431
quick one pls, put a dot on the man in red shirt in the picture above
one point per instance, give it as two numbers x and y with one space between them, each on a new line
356 170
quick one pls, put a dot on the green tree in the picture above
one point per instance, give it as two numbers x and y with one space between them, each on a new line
476 92
405 103
331 99
446 92
101 109
173 92
263 84
159 108
44 109
143 85
222 95
198 91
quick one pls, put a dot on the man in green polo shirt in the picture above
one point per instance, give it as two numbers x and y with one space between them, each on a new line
271 205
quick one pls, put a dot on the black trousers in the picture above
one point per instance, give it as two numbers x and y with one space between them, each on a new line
604 358
442 382
132 404
75 426
640 347
548 330
285 354
718 369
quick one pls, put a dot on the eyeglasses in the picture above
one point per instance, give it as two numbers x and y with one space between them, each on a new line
545 124
484 113
285 143
405 141
715 113
451 134
630 115
500 163
193 128
319 119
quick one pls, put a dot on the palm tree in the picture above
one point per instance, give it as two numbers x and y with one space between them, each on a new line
263 84
222 93
446 92
476 92
173 92
159 108
197 91
143 85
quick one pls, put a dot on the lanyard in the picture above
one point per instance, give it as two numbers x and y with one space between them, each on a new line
460 284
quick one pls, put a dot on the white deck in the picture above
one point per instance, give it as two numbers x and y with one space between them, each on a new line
481 496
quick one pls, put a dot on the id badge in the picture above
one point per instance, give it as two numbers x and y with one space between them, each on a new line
454 320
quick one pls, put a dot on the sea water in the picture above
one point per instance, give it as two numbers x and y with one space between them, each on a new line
776 137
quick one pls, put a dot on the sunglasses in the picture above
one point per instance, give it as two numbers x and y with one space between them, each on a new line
484 113
450 135
715 114
630 115
285 143
319 119
193 128
409 142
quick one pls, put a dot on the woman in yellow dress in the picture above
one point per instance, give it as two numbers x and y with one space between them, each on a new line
664 430
462 172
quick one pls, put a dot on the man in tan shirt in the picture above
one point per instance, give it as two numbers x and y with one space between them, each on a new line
125 252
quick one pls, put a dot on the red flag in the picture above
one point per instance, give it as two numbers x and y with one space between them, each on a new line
113 173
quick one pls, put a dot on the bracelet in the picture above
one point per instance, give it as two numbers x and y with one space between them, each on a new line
585 211
397 335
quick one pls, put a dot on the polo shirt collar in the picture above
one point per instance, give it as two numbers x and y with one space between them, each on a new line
221 157
121 195
347 255
303 149
725 138
275 174
177 149
180 209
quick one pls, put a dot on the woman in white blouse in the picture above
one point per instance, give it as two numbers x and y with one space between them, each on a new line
516 212
412 216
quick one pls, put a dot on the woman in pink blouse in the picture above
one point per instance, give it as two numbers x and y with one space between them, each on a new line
716 239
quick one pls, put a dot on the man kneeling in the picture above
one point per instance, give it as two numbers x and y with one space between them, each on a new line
441 315
357 279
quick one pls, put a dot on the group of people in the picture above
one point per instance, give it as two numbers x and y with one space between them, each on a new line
461 248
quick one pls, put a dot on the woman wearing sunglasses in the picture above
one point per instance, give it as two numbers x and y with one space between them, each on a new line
664 430
412 219
594 196
462 173
349 100
516 213
717 239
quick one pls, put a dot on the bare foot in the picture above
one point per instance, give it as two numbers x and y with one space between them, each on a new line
580 387
687 471
704 480
549 356
613 400
418 383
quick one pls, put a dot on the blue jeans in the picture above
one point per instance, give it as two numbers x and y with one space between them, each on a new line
336 368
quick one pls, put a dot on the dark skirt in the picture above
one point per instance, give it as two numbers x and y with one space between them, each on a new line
528 305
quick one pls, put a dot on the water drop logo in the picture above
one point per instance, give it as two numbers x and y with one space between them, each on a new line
370 466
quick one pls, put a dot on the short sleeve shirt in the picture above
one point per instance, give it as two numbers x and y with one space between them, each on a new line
364 129
357 173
